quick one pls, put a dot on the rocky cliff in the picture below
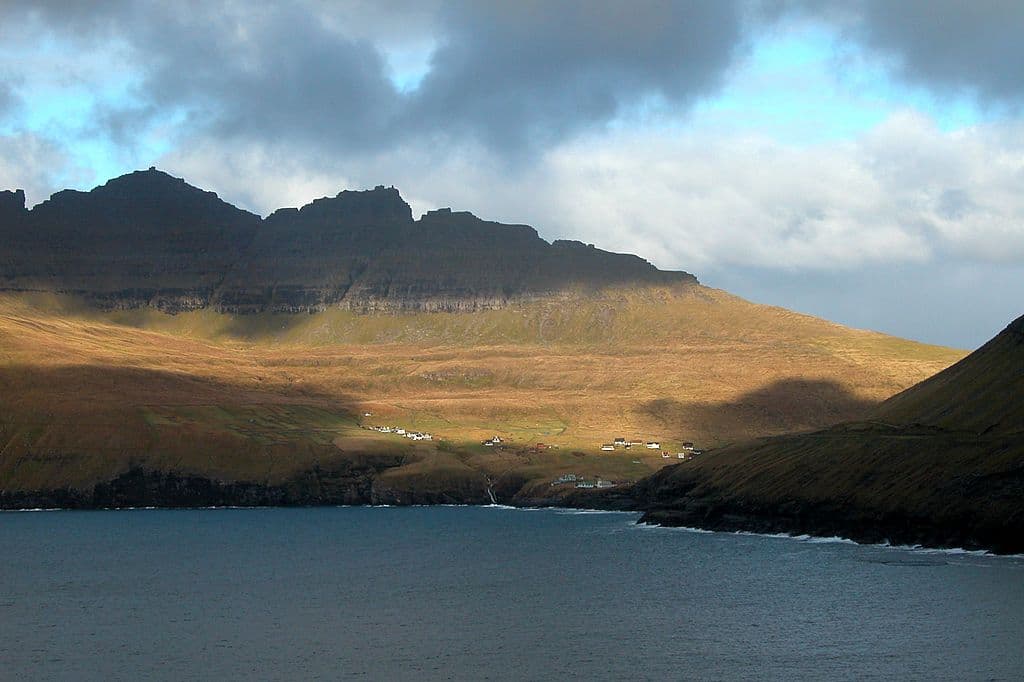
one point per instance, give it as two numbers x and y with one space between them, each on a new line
149 239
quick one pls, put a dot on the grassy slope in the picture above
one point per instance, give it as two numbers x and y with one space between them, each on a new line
947 453
86 395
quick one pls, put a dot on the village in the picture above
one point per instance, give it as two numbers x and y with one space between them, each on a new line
581 482
398 430
688 450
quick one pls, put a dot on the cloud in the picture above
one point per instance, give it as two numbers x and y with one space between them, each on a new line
573 116
514 76
8 100
906 192
900 230
527 74
951 302
948 46
32 163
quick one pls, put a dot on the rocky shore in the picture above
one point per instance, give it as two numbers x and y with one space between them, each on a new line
678 508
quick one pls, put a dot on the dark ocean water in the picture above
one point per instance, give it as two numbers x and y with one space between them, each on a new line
484 593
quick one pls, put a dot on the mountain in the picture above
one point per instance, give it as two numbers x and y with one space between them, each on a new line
149 239
159 346
143 238
940 464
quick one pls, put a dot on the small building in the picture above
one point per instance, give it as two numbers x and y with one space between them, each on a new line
687 445
653 445
635 443
584 484
604 484
664 455
495 440
619 442
607 446
681 455
400 432
367 414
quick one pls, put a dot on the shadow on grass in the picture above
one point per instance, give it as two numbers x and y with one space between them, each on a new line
780 407
32 386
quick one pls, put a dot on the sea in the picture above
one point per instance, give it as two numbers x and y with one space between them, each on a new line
485 593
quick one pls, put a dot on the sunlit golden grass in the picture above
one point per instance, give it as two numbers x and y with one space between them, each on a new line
85 394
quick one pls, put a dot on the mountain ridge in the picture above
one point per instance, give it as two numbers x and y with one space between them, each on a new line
148 239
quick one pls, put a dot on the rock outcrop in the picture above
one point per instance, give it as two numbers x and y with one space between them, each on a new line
149 239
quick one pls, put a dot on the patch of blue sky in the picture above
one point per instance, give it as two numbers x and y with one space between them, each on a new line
63 95
68 115
409 64
802 86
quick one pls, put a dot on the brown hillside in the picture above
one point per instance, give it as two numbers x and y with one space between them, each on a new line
983 393
939 464
86 396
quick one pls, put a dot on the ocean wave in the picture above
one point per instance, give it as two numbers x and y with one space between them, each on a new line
838 540
683 529
948 551
34 509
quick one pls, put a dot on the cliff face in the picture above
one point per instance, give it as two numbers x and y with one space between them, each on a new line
150 239
141 239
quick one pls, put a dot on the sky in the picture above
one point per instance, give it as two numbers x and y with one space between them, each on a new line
859 161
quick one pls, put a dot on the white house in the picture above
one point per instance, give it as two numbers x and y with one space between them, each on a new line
653 445
607 446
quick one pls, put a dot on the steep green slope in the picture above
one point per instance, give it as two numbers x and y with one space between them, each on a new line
942 463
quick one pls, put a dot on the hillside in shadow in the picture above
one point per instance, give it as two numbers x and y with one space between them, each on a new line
941 464
148 239
75 425
787 405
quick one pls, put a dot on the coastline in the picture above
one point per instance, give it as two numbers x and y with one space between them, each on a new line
640 524
142 489
863 527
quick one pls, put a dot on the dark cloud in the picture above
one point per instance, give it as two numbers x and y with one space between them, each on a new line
281 73
511 75
954 44
525 73
944 45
